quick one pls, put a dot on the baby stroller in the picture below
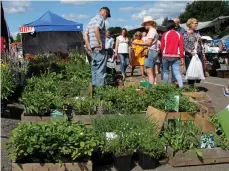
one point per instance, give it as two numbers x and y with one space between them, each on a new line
111 68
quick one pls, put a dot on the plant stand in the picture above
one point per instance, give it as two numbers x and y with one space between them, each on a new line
146 162
122 163
52 166
190 158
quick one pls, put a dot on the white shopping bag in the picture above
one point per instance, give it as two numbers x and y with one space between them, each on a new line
195 69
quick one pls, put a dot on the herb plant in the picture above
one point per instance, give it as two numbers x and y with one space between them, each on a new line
7 84
54 141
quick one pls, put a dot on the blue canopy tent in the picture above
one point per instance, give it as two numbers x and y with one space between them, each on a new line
51 33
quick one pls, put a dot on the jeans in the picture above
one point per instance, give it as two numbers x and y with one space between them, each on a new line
151 59
188 58
98 67
124 61
175 64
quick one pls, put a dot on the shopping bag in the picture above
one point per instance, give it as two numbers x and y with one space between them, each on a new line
195 69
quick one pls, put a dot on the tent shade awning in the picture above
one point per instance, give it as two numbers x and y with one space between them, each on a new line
52 22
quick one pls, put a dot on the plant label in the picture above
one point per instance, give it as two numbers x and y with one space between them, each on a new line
111 135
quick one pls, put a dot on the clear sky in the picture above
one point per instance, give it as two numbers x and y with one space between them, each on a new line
128 14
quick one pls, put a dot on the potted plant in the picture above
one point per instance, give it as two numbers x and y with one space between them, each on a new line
52 143
122 147
151 149
7 85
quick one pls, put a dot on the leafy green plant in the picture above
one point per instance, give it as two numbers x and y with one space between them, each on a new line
220 139
7 84
132 132
42 93
182 135
54 141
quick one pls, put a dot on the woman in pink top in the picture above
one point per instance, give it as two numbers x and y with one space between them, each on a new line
151 44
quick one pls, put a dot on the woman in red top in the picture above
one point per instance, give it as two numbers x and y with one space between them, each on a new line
172 49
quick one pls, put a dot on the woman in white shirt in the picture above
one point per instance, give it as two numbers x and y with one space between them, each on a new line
122 50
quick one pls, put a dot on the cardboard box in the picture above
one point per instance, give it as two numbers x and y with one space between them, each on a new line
207 126
156 115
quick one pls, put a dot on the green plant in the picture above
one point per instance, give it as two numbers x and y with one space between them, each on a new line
43 93
54 141
7 84
132 132
182 135
220 139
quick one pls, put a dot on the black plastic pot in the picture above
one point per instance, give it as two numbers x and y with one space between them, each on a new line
68 111
100 110
122 163
146 162
102 159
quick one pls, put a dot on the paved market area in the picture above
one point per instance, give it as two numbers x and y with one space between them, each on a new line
213 86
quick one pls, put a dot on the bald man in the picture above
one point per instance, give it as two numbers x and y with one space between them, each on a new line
179 29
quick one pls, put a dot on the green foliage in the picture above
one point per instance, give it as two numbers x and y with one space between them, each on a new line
42 93
221 139
132 132
182 135
128 101
18 37
55 141
51 90
7 84
205 10
115 30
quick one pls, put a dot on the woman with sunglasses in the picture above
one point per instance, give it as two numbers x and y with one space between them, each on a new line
137 56
191 36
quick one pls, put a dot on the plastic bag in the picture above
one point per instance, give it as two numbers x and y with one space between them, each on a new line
195 69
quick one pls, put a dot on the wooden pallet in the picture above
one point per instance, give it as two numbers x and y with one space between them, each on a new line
52 167
190 158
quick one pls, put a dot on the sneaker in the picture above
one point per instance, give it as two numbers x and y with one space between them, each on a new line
226 92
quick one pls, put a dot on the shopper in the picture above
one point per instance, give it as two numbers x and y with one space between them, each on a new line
151 45
94 37
191 37
226 91
122 50
138 57
172 48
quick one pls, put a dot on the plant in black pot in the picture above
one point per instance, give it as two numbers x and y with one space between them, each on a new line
151 149
122 145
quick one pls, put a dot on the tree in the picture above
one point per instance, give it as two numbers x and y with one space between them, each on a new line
115 30
205 10
164 22
11 39
18 37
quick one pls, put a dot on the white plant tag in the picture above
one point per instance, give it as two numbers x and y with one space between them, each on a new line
111 135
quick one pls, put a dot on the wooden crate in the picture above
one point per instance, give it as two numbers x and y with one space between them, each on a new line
86 119
190 158
203 102
184 116
38 119
52 167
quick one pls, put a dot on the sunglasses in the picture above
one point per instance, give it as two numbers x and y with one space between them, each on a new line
195 23
138 35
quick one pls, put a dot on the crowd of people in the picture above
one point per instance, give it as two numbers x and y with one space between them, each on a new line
175 49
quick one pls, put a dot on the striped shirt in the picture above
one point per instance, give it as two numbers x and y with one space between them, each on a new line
97 21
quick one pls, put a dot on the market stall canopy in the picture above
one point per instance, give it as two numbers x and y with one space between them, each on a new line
203 25
51 22
206 37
